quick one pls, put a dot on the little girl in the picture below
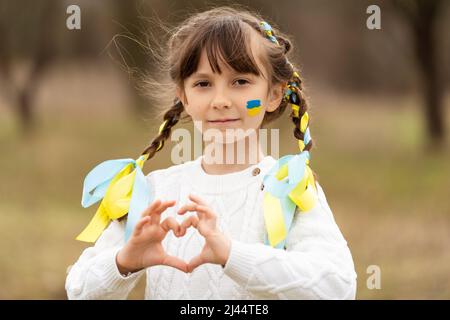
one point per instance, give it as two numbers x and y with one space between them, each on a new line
210 230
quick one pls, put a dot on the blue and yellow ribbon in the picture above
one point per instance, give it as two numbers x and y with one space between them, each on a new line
289 184
267 28
122 187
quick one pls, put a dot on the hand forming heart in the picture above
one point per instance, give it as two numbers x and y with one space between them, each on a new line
217 245
144 248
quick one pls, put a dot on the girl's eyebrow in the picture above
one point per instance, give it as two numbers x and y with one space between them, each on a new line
206 75
200 75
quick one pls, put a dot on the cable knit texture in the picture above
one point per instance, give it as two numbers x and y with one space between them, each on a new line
317 263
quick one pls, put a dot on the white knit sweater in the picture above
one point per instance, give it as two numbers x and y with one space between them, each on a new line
316 264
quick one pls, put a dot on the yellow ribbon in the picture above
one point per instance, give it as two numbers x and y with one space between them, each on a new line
161 128
295 109
304 195
304 122
274 219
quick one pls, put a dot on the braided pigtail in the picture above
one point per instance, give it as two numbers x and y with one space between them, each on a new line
121 185
295 97
290 184
293 92
171 118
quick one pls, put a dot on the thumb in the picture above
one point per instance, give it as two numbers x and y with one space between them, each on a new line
195 262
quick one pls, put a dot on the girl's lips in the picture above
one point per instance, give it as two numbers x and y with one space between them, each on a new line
225 121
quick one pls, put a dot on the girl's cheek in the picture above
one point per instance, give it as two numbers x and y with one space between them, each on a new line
253 107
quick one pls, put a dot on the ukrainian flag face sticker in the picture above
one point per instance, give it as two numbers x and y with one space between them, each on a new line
253 107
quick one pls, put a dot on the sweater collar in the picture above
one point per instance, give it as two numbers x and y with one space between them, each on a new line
222 183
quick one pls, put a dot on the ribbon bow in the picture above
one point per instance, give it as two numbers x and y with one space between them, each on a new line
267 28
289 184
124 189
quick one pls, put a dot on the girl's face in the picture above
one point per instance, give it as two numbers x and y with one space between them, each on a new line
223 101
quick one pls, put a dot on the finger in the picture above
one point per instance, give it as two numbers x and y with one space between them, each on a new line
195 262
194 208
187 207
140 226
156 215
175 263
151 208
164 206
171 224
191 207
206 211
191 221
197 200
202 207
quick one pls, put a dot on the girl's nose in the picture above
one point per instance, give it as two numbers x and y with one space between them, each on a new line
220 101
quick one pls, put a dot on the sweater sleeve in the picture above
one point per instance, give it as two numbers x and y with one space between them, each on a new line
317 263
95 275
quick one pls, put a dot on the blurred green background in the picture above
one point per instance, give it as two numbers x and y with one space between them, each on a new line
379 116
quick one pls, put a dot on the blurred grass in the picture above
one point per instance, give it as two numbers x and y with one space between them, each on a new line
388 194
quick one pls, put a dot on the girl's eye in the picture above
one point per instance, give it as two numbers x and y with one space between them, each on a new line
242 81
204 84
201 84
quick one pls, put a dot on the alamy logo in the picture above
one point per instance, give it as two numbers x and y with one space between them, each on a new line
224 146
374 280
374 20
73 22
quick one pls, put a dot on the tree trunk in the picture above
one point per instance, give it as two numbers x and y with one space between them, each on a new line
25 111
426 51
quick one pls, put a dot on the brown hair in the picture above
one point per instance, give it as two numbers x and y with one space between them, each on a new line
224 32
